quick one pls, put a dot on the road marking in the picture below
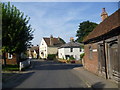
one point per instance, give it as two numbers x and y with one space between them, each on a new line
88 84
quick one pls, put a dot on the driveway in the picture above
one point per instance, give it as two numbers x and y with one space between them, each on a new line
47 74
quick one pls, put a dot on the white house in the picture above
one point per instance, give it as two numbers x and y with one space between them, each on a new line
33 52
49 46
70 49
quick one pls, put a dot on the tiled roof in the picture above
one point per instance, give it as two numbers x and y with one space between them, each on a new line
110 23
71 44
56 42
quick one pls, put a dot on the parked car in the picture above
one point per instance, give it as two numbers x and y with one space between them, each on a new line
73 61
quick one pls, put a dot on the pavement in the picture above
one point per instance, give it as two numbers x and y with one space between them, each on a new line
94 81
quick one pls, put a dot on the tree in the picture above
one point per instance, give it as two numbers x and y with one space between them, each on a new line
84 29
16 32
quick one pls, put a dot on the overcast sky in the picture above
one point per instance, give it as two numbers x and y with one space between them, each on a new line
62 18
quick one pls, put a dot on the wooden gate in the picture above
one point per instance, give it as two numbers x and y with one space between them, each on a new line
101 58
113 61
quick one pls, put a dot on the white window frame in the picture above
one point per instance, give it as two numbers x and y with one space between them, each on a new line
10 56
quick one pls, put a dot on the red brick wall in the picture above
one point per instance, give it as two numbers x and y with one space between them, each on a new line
10 61
91 64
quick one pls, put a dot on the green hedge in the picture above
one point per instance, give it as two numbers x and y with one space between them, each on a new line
72 58
51 56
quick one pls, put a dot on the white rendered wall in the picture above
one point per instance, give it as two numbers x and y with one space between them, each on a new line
61 53
66 51
43 48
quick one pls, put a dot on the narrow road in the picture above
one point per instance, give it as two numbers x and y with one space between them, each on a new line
49 74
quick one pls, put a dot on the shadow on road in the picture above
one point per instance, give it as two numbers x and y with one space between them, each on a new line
51 65
15 80
101 86
98 85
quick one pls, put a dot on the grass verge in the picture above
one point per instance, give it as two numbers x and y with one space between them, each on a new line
10 68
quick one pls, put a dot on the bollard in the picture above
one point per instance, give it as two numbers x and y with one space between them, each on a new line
20 67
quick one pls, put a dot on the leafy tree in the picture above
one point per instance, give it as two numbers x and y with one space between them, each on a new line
84 29
82 55
16 33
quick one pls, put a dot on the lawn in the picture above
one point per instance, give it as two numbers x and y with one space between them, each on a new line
10 68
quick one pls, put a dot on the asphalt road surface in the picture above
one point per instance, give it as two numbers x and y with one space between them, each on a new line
48 74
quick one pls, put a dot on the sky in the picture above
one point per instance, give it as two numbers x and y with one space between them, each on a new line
62 18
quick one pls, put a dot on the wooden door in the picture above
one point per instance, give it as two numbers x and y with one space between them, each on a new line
114 61
101 59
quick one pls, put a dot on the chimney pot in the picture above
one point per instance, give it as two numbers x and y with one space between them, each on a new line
58 38
104 14
103 10
71 39
51 40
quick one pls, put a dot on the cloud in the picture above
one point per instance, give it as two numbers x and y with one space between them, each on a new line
58 19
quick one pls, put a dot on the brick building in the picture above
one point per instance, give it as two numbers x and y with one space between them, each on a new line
102 47
10 58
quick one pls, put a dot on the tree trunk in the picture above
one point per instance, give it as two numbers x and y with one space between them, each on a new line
4 57
17 59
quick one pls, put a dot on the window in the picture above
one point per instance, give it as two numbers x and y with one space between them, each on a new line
71 49
90 52
9 56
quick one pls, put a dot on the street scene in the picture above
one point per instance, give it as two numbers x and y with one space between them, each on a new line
47 45
49 74
53 75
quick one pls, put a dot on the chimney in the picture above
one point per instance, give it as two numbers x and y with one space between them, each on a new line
71 39
58 38
104 14
51 40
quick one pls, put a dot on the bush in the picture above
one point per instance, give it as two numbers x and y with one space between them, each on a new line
51 56
81 56
72 58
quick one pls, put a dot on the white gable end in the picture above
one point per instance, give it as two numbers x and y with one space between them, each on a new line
43 49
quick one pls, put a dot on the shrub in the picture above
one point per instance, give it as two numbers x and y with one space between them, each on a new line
72 58
81 56
51 56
